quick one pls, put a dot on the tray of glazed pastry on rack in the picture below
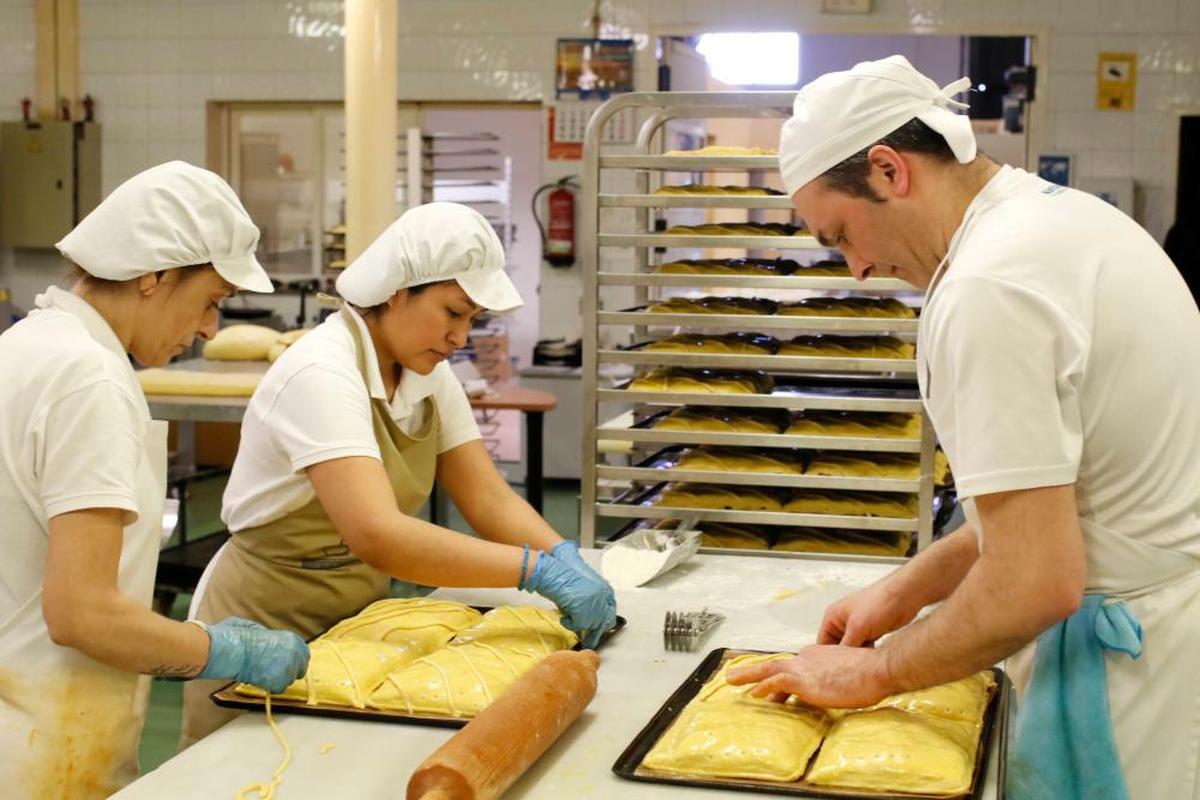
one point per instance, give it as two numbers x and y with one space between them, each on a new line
931 744
789 540
419 660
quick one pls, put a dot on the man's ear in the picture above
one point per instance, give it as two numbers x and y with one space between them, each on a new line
890 174
146 284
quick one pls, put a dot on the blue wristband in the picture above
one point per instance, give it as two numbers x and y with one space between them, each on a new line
524 566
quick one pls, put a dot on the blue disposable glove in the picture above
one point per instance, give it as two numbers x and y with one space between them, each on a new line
245 651
586 600
568 551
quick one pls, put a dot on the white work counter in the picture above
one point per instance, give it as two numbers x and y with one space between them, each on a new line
769 603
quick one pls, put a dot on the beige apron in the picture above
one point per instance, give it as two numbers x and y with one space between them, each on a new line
297 572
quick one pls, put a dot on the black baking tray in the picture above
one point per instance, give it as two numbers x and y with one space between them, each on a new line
226 697
629 765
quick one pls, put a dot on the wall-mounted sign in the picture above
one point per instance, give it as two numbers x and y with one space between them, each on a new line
1116 81
1055 168
593 68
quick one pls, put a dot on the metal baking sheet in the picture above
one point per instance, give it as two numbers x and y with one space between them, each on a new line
228 698
796 397
674 240
695 201
650 435
627 511
870 285
769 363
759 322
629 765
691 163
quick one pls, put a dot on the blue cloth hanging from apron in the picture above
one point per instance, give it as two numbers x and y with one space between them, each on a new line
1064 748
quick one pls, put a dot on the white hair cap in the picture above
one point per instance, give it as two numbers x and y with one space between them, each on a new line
172 215
840 113
431 243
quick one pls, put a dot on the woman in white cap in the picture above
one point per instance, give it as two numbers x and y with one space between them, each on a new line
83 480
1059 359
344 437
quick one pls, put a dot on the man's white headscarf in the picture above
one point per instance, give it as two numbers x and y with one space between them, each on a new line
840 113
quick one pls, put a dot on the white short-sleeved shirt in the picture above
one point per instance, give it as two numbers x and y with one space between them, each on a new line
72 432
313 406
1063 346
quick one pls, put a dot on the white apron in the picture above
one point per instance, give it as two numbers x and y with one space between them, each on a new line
70 726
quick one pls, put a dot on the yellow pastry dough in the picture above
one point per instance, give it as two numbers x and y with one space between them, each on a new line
241 343
725 733
702 381
417 625
729 344
705 189
964 700
700 495
713 305
855 423
736 229
724 150
857 504
722 420
885 307
204 384
824 269
742 459
849 347
465 676
865 465
340 673
738 537
843 542
283 342
729 266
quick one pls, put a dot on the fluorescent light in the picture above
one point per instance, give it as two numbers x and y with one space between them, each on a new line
752 59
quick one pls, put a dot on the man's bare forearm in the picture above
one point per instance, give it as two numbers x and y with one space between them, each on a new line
935 573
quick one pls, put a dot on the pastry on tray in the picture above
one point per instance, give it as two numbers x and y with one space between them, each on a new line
736 537
340 672
713 305
702 381
842 541
736 229
856 423
830 346
865 465
724 150
724 420
180 382
753 344
824 269
724 732
876 307
740 459
418 625
852 504
729 266
465 676
728 191
730 498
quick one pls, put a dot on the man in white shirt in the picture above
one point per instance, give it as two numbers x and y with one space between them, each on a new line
1059 359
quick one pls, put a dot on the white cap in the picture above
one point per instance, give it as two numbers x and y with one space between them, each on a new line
172 215
840 113
430 243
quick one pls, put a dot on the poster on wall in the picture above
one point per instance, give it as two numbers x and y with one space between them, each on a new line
1055 168
1116 81
593 69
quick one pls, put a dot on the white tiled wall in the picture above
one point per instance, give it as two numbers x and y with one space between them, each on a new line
152 66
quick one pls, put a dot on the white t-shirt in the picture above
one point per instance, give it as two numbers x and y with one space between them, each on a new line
313 406
1063 346
72 432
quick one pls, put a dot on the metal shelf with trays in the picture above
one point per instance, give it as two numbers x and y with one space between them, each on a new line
794 374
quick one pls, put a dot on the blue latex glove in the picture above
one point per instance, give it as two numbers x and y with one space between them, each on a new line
245 651
568 551
586 600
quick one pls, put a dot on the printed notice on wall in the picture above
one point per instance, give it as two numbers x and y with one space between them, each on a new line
1116 81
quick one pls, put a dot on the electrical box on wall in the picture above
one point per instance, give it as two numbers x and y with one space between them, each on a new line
49 180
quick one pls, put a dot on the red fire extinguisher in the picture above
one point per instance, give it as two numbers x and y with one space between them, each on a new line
558 236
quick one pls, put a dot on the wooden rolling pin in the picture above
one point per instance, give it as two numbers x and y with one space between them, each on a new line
494 749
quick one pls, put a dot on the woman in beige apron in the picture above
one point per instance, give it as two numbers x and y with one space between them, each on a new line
83 481
316 539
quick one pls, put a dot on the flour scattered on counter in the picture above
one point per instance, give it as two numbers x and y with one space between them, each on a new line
628 568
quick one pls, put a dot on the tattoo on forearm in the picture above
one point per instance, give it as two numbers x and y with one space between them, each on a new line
174 671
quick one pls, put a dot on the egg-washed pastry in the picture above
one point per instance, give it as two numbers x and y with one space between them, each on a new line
964 700
737 537
724 420
729 266
729 344
865 465
706 189
241 343
843 542
891 750
740 459
941 469
712 305
465 676
877 307
856 423
724 150
730 498
830 346
824 269
158 380
736 229
340 672
417 625
851 504
724 732
702 381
